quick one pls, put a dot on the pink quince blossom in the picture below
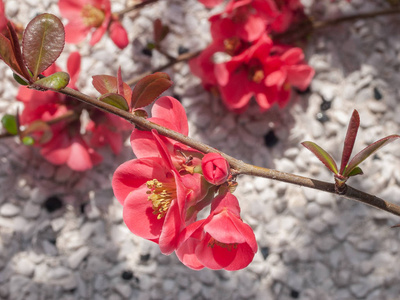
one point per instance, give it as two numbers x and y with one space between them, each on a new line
245 19
211 3
222 241
243 77
264 71
107 129
3 19
66 146
167 112
287 69
95 16
154 195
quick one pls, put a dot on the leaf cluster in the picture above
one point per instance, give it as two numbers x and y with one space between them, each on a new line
118 94
348 168
42 43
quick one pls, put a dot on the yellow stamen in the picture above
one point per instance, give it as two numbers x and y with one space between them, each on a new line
231 45
213 242
92 16
258 76
161 196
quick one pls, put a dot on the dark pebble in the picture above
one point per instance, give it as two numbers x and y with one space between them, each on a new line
52 204
322 117
270 139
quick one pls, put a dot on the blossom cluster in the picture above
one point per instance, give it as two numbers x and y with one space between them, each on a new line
243 61
53 120
168 184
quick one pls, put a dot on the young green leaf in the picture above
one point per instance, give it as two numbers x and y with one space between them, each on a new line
350 139
115 100
42 43
105 84
120 83
55 82
10 124
356 171
28 140
149 88
368 151
19 79
322 155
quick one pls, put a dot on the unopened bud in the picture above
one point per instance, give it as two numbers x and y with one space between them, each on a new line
215 168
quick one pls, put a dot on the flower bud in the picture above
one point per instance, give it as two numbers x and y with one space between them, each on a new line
215 168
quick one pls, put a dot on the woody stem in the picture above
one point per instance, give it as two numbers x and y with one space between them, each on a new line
238 166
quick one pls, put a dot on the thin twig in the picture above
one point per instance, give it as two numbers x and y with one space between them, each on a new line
135 7
322 24
180 58
238 166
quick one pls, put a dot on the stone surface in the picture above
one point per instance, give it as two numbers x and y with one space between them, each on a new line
320 246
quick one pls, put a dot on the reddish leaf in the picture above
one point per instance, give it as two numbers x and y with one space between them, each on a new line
160 31
368 151
43 42
120 83
149 88
105 84
350 139
8 56
55 82
322 155
14 40
115 100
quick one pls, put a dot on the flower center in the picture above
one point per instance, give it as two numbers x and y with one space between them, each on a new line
213 242
256 74
92 16
231 45
161 196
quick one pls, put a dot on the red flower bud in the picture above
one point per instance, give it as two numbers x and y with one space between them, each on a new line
215 168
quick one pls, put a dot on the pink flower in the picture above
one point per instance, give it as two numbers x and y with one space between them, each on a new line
287 69
87 16
66 145
3 19
245 19
203 65
262 71
107 129
243 77
167 112
211 3
215 168
222 241
118 34
154 196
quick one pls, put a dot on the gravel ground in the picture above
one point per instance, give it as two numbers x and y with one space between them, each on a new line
61 232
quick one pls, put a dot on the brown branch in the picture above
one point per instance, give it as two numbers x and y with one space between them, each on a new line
5 135
302 29
322 24
238 166
180 58
135 7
